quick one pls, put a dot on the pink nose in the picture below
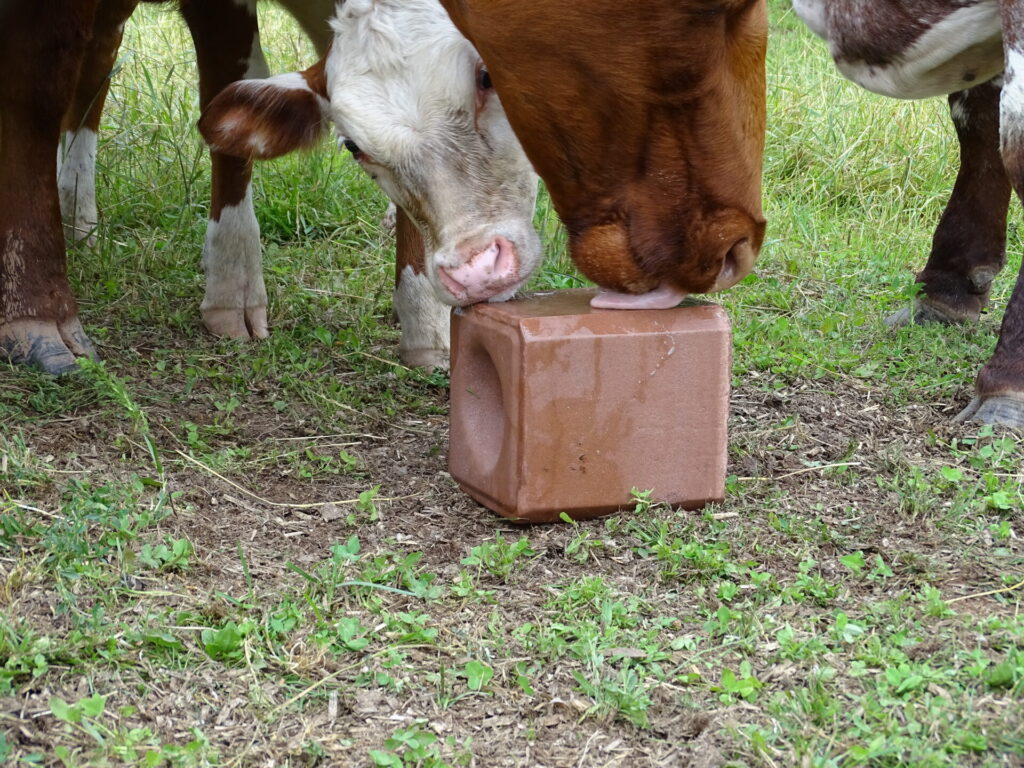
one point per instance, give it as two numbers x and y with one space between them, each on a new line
483 273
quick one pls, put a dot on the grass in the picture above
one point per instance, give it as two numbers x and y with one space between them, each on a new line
215 553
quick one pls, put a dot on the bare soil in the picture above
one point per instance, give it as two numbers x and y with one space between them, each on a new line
787 445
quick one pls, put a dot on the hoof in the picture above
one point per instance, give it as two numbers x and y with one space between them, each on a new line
237 323
428 360
81 234
52 348
926 313
1004 410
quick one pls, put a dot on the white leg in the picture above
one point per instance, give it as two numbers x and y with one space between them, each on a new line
76 183
425 322
235 303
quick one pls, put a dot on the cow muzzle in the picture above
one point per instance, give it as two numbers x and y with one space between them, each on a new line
737 263
483 272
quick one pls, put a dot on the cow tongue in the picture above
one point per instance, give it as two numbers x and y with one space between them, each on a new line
662 297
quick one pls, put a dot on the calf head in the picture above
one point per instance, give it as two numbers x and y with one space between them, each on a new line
411 100
646 122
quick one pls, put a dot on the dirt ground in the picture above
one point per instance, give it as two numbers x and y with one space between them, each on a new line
786 445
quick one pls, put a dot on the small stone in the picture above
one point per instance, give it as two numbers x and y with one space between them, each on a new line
330 512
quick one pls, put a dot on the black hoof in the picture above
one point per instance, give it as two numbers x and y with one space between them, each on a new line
1004 410
926 313
40 345
48 356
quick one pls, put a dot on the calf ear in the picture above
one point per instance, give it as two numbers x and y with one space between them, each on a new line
263 119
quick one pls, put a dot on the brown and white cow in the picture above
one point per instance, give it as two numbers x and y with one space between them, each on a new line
970 50
71 48
647 123
74 44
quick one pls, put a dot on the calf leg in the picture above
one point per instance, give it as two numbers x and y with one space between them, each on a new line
38 315
227 44
76 157
423 317
1000 385
969 245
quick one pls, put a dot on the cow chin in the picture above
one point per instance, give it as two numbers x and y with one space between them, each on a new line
604 254
704 259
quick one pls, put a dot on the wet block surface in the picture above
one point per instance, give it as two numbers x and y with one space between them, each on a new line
558 407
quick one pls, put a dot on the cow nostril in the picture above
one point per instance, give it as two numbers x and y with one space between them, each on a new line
481 273
500 259
729 267
742 256
507 262
736 264
486 259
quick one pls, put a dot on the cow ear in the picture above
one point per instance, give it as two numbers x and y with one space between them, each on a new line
263 119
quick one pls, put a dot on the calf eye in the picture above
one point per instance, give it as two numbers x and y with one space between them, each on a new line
483 79
352 147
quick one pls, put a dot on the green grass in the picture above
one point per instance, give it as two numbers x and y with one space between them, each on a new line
221 553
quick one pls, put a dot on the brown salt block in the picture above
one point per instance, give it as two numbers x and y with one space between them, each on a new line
558 407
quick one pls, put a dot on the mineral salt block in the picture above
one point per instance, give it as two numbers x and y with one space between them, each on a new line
558 407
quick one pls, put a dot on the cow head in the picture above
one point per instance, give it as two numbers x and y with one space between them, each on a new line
411 100
646 122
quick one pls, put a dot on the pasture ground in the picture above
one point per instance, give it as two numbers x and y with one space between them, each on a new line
175 588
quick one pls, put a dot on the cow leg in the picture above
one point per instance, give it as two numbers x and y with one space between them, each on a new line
76 156
999 388
423 317
227 42
312 16
999 397
38 315
969 245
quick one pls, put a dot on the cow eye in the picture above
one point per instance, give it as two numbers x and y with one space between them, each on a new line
352 147
483 79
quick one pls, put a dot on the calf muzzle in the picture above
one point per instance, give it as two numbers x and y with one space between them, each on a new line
482 273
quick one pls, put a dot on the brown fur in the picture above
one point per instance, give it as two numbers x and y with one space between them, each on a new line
70 47
1004 373
409 247
284 120
94 76
648 129
223 33
969 246
52 34
878 32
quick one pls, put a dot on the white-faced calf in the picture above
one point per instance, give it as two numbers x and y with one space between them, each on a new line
411 100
